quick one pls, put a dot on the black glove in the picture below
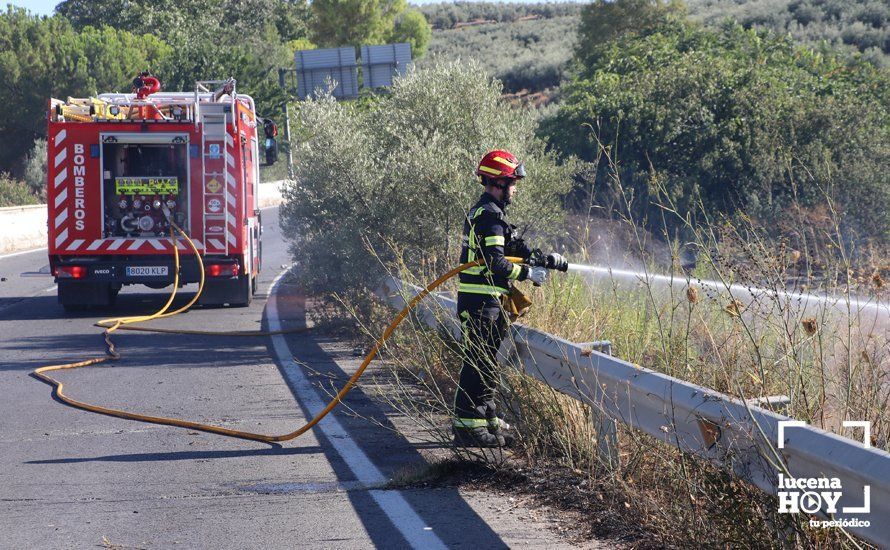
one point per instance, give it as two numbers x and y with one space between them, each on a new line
557 262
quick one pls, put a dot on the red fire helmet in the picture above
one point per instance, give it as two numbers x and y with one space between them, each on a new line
500 164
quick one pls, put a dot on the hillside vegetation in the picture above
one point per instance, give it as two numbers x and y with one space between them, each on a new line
734 120
531 54
853 25
447 15
528 46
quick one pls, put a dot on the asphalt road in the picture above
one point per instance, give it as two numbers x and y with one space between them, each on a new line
73 479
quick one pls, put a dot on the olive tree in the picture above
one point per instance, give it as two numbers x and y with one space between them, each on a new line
398 175
35 168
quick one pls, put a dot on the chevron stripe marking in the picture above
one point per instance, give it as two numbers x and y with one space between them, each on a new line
62 237
60 198
60 177
60 157
60 219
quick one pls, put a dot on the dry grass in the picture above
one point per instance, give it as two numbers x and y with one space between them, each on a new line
831 358
748 318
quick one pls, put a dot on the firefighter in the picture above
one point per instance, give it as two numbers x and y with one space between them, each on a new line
484 292
271 143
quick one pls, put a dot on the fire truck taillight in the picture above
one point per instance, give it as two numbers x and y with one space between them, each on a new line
71 272
222 270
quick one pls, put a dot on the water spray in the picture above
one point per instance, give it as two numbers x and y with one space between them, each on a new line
803 298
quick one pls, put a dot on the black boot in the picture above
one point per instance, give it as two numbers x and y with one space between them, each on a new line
499 428
479 437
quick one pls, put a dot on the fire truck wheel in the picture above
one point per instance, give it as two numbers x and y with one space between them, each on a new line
253 285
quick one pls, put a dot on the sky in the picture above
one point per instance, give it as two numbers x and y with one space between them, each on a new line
40 7
45 7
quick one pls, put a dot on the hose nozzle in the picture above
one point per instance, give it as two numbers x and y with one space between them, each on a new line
557 262
550 261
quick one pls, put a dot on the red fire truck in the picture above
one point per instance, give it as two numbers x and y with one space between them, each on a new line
122 166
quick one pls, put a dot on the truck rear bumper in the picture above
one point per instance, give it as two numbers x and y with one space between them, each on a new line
146 270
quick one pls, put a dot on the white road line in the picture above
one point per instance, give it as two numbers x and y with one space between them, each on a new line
10 255
50 289
397 509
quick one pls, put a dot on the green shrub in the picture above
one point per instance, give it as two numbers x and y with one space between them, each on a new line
737 120
35 168
411 27
15 193
397 174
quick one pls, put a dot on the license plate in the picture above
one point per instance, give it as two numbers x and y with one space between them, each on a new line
147 271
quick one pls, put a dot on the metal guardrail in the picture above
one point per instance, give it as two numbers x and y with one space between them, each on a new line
738 436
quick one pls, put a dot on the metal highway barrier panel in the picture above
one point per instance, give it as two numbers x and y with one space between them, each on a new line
317 68
381 63
738 436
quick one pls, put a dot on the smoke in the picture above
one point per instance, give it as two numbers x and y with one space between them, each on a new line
617 244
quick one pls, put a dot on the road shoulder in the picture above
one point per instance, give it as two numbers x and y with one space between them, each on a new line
451 503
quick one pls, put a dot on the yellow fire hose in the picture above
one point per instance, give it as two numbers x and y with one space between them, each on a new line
112 325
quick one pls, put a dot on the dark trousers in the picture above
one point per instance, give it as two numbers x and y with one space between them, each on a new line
484 327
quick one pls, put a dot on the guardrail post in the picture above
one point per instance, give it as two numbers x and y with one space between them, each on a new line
606 440
605 426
